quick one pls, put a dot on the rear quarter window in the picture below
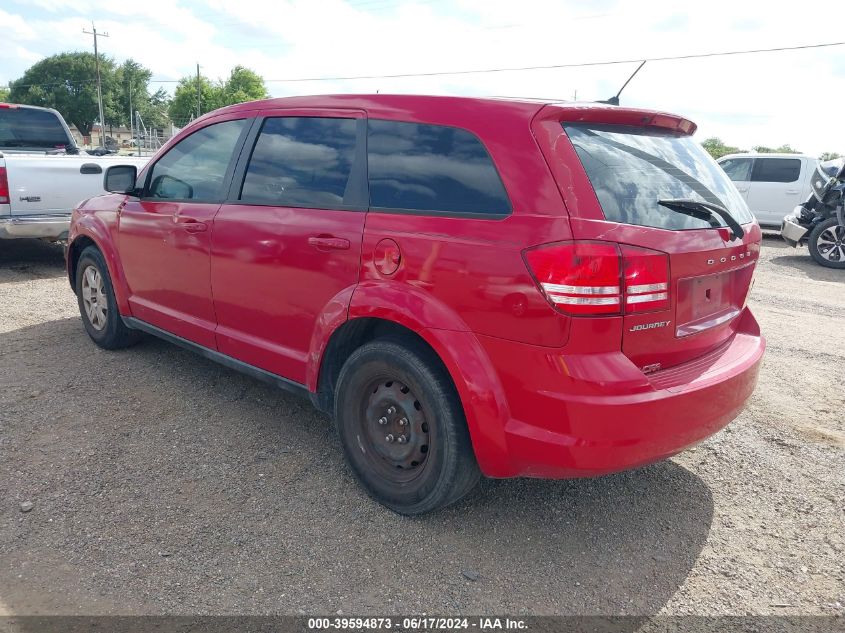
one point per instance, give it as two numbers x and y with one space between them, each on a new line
432 169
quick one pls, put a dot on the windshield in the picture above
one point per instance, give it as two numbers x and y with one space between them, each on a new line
25 127
632 168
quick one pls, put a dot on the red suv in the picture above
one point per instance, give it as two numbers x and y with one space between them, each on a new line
468 286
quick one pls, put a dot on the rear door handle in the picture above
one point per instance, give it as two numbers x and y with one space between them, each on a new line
791 191
329 243
191 225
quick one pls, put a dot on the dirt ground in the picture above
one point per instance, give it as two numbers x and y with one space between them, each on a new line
163 483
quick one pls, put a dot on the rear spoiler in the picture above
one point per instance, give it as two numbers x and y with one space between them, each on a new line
614 115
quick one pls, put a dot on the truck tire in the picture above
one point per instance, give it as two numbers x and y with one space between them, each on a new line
97 304
827 244
402 427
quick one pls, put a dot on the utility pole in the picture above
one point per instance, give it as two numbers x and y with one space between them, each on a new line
199 91
93 32
131 115
138 123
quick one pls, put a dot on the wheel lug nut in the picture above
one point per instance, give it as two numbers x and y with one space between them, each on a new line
403 421
391 410
389 437
382 421
401 439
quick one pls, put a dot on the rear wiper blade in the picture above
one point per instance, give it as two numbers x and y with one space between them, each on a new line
703 210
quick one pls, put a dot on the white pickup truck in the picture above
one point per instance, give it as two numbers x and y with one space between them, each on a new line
43 175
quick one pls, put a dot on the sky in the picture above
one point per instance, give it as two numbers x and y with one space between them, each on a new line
746 100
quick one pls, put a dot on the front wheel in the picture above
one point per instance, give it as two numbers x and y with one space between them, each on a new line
827 244
403 429
97 304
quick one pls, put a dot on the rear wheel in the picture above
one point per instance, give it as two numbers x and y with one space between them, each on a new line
827 244
97 304
403 429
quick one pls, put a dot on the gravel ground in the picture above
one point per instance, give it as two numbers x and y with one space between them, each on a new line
162 483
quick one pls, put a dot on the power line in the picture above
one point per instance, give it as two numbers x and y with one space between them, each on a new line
633 60
557 66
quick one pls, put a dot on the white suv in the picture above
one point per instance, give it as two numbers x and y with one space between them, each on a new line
772 184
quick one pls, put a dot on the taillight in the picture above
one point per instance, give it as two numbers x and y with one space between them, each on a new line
601 278
578 277
4 186
646 275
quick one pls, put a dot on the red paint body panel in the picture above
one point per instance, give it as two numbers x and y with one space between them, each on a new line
166 266
270 285
545 394
473 269
98 222
589 414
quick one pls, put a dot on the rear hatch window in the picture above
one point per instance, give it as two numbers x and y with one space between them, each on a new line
632 168
685 235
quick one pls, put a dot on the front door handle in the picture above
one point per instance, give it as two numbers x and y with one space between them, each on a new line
329 243
191 225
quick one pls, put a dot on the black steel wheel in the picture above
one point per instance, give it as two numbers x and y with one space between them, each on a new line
395 430
402 427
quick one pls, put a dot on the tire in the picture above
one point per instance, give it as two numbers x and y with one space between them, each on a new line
381 384
97 304
827 244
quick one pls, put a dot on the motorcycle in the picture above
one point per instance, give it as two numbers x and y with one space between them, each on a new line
819 221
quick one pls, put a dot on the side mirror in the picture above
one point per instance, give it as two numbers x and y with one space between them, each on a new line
120 179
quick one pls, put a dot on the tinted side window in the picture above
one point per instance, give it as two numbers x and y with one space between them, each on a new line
432 168
195 168
776 170
737 169
301 162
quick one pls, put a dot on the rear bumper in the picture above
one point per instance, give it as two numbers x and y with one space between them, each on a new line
54 227
619 419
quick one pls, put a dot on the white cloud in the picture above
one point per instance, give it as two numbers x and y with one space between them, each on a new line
747 100
15 28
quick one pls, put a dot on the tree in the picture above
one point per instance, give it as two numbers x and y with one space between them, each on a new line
783 149
825 155
131 85
68 83
242 85
183 106
716 148
4 94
